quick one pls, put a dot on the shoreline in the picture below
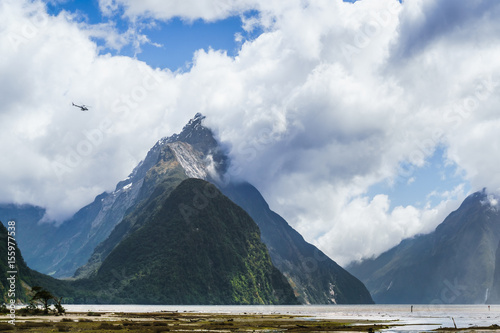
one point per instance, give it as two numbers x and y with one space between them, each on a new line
186 322
217 321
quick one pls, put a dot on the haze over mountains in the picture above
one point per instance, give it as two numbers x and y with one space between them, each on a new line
133 207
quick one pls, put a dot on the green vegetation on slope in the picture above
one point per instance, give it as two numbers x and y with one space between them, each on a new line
198 247
316 278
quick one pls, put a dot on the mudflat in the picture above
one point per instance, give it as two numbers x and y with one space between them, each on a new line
169 321
184 322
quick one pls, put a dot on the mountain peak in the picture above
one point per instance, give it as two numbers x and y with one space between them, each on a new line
481 200
489 199
198 117
476 197
193 133
202 139
193 126
462 249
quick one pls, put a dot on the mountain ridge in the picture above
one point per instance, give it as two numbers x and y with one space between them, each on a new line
454 264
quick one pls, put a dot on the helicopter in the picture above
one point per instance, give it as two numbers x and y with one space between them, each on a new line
82 107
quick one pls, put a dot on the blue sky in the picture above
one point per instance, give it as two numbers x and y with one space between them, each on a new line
172 42
322 104
419 186
180 40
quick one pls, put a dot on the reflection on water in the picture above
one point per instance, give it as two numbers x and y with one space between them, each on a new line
423 317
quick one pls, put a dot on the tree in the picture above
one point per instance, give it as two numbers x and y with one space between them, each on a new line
60 309
43 296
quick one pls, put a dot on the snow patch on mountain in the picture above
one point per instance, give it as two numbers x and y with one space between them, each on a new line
126 187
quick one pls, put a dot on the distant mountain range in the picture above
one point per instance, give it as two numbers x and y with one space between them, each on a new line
458 263
101 242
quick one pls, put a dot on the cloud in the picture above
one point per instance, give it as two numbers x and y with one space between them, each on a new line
329 100
165 10
338 217
115 40
57 156
381 226
428 22
321 125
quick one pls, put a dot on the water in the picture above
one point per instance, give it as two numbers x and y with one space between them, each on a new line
423 317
